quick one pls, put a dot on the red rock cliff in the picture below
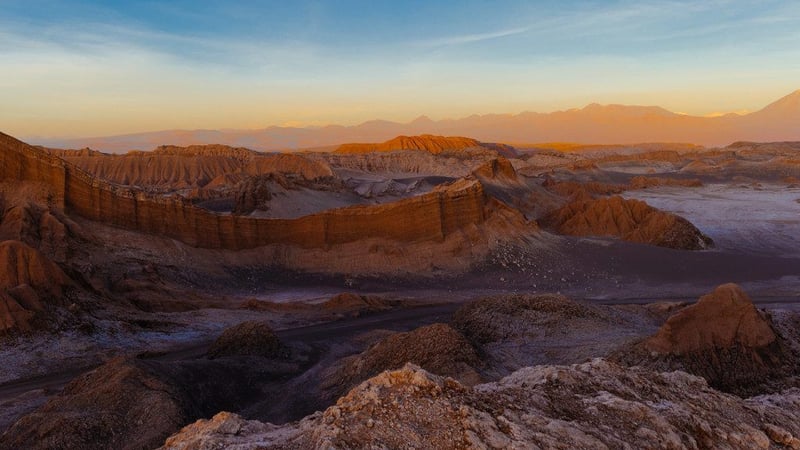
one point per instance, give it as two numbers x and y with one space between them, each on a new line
427 217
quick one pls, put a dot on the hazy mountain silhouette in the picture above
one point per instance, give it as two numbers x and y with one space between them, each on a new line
596 124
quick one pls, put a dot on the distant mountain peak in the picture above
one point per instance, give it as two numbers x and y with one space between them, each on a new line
423 119
598 108
594 123
789 104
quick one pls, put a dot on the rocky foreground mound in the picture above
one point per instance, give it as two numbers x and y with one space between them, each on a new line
121 405
628 219
133 404
722 338
350 303
593 405
514 331
252 338
438 348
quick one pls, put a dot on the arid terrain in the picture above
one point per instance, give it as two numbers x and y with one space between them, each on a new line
420 292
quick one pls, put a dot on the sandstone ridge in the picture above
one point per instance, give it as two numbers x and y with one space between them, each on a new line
431 216
176 168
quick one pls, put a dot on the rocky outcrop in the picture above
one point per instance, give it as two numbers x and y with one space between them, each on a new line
28 281
411 162
120 405
240 153
514 330
72 153
26 215
722 338
290 165
724 318
438 348
510 317
575 189
498 170
591 405
132 404
641 182
628 219
429 143
254 193
425 142
252 338
432 216
151 171
348 302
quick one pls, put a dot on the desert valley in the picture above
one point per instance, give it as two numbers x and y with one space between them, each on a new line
399 225
425 291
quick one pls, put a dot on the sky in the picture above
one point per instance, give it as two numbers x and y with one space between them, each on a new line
88 68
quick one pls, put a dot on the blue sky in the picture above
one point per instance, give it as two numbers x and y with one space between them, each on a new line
78 68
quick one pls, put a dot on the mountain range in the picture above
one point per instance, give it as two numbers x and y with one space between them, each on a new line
593 124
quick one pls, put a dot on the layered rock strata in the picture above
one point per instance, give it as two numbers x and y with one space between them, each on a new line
431 216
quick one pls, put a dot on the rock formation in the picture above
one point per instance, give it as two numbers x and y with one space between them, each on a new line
724 318
722 338
513 331
134 404
450 164
298 166
120 405
592 405
628 219
348 302
240 153
510 317
498 170
574 189
169 168
432 216
255 193
252 338
26 215
28 281
641 182
437 348
425 142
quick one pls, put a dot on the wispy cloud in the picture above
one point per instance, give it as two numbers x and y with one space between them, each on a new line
476 37
108 41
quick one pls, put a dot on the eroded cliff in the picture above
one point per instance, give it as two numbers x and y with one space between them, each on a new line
432 216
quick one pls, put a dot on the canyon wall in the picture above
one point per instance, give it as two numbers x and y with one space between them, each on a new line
427 217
